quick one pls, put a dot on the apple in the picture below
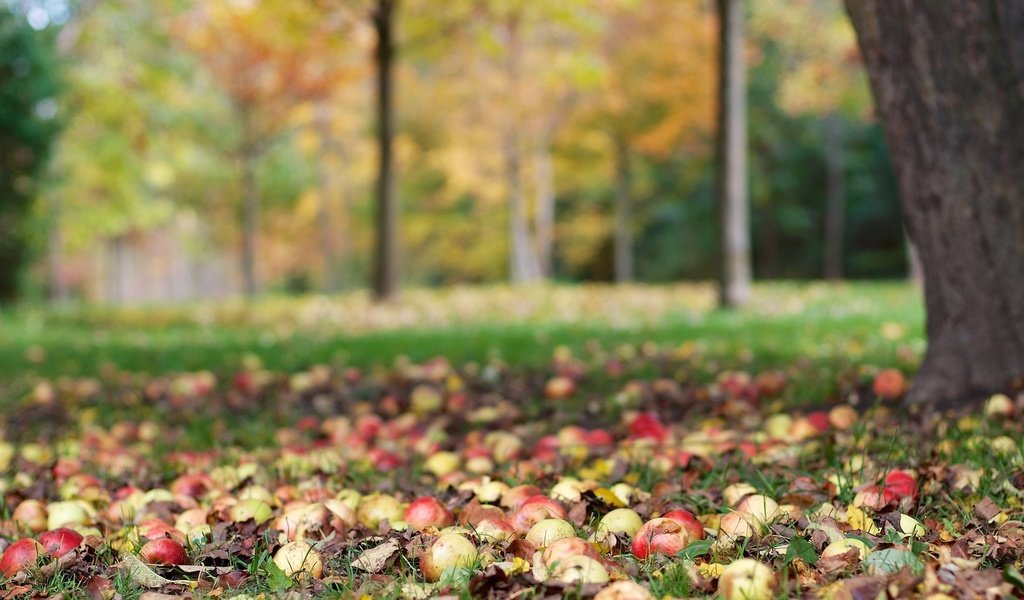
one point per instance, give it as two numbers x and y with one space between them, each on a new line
559 388
874 496
59 542
447 551
901 484
377 507
760 510
999 405
494 530
193 485
734 493
579 569
734 526
625 589
534 510
69 512
547 531
516 496
20 556
648 426
842 417
659 536
840 547
252 509
621 520
889 385
442 463
428 511
911 527
563 548
747 579
30 515
163 552
299 557
425 399
689 522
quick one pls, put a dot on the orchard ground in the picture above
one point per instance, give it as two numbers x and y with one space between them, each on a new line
233 429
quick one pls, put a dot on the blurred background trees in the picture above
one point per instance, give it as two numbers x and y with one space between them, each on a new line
213 148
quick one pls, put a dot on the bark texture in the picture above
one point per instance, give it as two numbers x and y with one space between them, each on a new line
735 275
385 267
948 80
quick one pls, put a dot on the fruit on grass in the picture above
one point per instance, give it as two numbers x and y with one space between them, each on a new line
299 557
547 531
163 552
59 542
689 522
840 547
20 556
428 511
747 579
621 520
447 551
660 536
889 384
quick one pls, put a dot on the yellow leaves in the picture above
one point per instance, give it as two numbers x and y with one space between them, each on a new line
859 519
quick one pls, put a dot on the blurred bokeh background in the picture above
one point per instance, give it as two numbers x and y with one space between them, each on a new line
145 140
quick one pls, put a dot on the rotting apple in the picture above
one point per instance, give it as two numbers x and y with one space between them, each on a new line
534 510
299 557
548 530
659 536
747 579
58 542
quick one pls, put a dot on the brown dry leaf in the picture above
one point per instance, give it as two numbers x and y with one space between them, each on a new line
986 509
374 559
159 596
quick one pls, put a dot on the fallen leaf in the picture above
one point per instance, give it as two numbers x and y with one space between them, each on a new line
374 559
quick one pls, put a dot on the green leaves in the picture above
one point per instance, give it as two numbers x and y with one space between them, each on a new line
802 549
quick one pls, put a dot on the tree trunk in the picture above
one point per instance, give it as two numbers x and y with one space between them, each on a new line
522 261
623 215
735 271
250 223
385 279
913 261
948 81
59 292
835 192
327 226
544 215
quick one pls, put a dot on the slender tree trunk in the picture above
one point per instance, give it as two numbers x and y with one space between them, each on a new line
59 292
250 223
948 81
835 193
328 228
522 261
385 279
544 215
623 215
735 273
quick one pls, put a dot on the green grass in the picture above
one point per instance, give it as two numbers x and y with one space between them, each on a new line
829 325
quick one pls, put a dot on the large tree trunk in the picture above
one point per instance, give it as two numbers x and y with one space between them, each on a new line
250 223
948 80
623 215
328 228
385 278
544 214
835 192
735 271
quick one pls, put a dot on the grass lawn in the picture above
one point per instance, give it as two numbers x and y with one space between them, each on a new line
241 432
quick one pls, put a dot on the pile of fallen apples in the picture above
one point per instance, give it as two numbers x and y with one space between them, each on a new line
445 490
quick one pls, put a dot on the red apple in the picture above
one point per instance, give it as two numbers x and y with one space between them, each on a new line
20 556
648 425
660 536
689 522
427 511
163 552
58 542
889 384
563 548
901 484
534 510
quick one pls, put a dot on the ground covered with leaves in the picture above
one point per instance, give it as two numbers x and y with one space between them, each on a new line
605 470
